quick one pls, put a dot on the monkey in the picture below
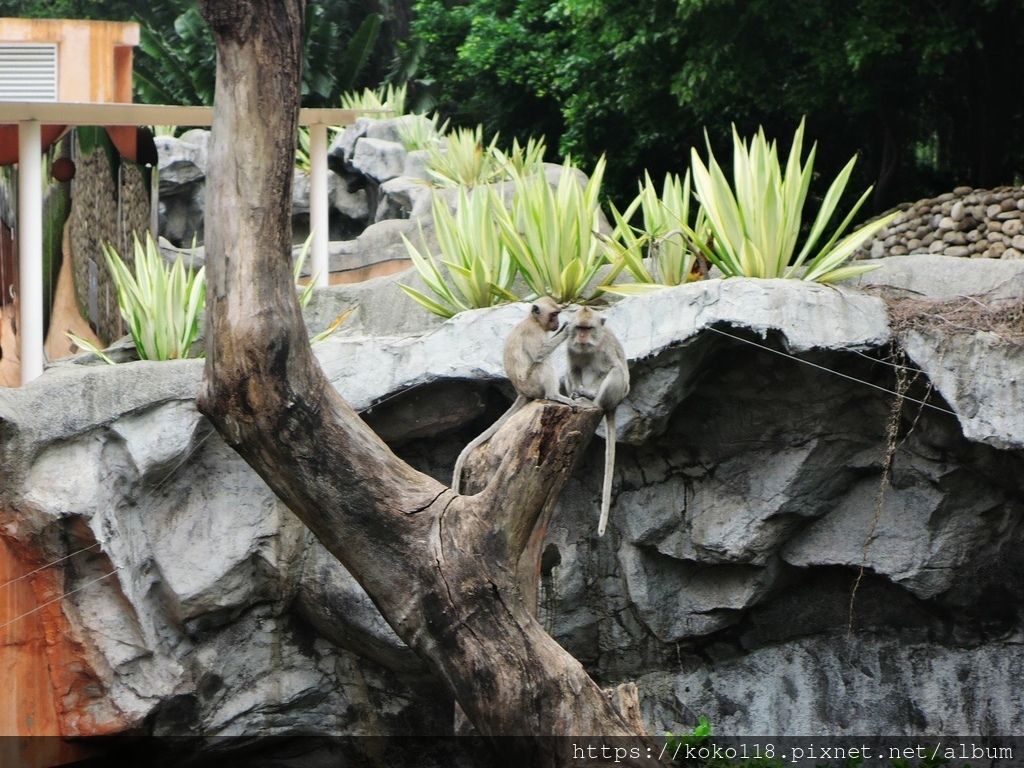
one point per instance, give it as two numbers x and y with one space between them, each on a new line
598 372
529 367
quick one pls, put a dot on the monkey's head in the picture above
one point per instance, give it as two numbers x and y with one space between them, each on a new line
586 328
545 313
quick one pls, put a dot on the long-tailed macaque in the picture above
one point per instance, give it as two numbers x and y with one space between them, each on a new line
598 373
529 368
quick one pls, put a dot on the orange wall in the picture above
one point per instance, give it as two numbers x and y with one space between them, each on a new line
44 673
27 706
94 58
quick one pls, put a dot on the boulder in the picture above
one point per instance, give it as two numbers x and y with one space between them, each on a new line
379 160
182 160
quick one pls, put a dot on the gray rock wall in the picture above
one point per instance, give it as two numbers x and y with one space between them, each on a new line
746 503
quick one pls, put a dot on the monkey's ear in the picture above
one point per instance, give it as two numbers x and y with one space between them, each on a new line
603 319
535 309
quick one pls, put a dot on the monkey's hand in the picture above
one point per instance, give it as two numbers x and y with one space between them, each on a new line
551 344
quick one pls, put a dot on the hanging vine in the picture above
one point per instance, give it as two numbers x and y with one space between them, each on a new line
962 315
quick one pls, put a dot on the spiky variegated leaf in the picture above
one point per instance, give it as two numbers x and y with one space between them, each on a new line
479 270
756 221
160 305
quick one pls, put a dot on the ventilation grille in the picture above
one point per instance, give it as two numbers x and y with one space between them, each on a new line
28 72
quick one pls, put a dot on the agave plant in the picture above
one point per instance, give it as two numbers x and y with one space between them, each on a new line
160 304
464 161
756 222
667 233
521 160
382 103
421 132
479 267
552 233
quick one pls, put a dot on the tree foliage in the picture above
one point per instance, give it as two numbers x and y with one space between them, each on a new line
490 62
923 91
176 67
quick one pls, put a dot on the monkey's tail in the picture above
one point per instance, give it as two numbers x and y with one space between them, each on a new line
486 435
609 470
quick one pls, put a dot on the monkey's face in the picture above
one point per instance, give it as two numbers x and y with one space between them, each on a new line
545 312
587 329
584 336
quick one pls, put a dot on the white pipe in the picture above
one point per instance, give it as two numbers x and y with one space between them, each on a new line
154 202
30 248
318 209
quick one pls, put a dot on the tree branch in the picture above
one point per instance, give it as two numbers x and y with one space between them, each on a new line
441 568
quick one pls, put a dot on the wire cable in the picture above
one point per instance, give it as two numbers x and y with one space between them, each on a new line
832 371
55 562
58 599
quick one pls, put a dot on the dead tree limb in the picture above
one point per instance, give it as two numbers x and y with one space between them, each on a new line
441 568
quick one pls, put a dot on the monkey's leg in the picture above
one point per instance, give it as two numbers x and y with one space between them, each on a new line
560 398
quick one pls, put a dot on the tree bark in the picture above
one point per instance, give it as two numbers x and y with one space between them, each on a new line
442 569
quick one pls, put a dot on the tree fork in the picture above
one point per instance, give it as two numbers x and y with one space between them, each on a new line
442 569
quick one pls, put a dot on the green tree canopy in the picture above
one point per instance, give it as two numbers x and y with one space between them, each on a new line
924 91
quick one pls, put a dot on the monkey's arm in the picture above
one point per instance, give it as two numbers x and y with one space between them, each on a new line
543 351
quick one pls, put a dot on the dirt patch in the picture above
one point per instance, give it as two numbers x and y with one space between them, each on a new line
957 316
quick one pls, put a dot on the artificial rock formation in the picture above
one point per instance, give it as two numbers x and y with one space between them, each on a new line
372 179
747 503
379 193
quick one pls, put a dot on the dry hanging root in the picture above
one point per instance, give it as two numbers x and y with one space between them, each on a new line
905 378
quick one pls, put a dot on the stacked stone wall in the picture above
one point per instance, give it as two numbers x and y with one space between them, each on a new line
973 223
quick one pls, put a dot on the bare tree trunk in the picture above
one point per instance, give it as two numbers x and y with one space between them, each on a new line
443 569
